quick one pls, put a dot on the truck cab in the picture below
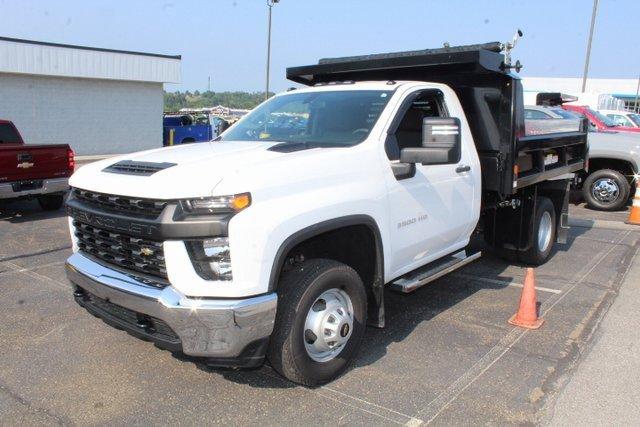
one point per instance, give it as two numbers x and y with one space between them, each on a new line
189 127
278 239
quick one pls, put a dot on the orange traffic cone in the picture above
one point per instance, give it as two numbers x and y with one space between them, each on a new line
527 315
634 215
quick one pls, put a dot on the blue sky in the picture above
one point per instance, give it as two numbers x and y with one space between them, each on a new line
226 39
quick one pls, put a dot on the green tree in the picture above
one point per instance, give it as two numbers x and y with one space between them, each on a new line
174 101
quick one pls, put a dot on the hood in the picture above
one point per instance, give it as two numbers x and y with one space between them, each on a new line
619 145
196 170
626 129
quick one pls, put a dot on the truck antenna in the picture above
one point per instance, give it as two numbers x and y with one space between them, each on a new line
507 48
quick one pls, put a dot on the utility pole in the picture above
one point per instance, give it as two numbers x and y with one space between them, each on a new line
209 84
636 107
270 4
586 62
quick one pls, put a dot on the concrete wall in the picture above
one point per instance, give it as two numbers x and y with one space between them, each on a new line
599 93
93 116
574 85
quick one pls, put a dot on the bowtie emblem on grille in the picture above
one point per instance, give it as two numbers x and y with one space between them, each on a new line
146 251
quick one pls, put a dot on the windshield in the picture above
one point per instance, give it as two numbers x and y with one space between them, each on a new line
635 118
608 122
565 114
325 119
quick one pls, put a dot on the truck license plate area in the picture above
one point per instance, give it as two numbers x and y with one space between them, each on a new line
129 319
27 185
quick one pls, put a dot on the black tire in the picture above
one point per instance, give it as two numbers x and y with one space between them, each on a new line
611 177
539 254
298 290
51 202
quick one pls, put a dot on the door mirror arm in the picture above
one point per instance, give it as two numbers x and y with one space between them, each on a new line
403 170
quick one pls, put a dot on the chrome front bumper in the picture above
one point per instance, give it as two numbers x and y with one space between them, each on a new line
218 329
55 185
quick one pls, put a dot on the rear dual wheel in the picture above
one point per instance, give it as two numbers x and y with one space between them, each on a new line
321 316
544 233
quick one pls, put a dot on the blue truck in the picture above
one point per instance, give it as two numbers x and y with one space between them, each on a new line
185 128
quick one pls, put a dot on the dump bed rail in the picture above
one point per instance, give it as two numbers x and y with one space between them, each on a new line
550 156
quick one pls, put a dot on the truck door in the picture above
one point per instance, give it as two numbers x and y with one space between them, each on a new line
434 210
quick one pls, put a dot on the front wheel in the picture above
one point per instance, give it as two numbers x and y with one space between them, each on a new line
606 190
544 233
321 316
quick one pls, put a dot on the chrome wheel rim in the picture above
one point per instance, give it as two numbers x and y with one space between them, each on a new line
605 190
328 325
544 232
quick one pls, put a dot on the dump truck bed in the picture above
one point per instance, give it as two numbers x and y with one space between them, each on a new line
492 99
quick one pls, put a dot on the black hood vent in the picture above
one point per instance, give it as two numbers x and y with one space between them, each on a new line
130 167
290 147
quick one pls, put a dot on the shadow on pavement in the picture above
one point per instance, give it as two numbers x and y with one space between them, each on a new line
21 211
404 313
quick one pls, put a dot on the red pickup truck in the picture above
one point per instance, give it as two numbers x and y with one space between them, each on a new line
27 171
597 120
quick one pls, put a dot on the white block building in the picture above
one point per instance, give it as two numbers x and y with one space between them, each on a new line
100 101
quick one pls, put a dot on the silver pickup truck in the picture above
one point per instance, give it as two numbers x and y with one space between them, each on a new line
614 162
614 157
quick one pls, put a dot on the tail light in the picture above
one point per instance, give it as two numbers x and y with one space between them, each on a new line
71 161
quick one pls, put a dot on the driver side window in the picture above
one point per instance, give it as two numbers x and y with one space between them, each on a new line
407 130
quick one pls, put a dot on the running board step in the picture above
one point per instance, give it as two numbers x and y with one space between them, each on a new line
432 271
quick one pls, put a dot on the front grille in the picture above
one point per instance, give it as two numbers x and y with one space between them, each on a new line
150 325
120 204
129 252
130 167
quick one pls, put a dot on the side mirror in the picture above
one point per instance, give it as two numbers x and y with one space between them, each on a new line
440 143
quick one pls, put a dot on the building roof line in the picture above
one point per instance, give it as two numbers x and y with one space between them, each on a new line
96 49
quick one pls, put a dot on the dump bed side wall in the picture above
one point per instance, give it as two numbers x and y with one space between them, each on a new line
491 103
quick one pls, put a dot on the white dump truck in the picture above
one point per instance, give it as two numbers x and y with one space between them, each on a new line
277 240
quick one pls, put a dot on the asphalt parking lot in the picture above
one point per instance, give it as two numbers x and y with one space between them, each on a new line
447 356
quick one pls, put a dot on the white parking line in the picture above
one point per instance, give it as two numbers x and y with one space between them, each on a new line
412 420
317 392
29 272
451 393
356 403
505 282
17 269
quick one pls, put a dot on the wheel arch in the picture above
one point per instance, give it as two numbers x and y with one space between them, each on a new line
624 166
305 236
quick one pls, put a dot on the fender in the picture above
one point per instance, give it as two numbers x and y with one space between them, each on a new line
376 296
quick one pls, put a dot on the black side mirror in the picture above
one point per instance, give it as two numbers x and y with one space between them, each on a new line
441 143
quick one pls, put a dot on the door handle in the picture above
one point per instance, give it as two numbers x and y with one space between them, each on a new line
463 168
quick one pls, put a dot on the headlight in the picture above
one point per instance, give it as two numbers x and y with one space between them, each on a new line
211 258
217 204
